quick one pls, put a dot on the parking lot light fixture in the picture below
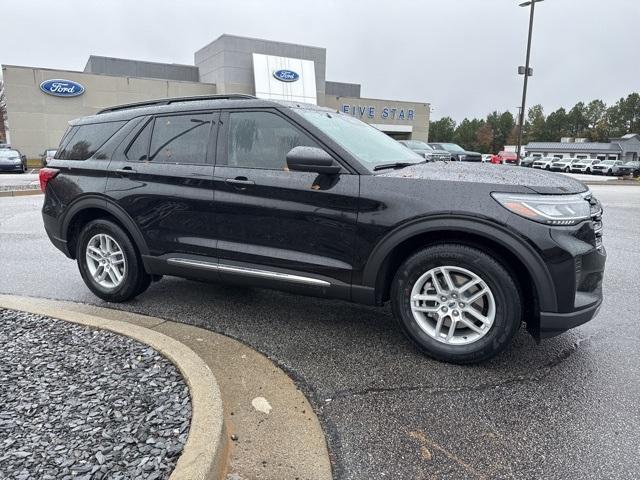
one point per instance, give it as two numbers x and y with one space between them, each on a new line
527 73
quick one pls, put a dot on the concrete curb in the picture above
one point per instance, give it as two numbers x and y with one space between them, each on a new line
204 454
19 193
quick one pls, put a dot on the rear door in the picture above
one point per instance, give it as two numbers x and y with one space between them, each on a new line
271 220
162 177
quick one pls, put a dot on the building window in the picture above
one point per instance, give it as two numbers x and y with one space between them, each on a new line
613 157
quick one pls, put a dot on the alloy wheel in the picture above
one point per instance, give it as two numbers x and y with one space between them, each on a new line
106 261
453 305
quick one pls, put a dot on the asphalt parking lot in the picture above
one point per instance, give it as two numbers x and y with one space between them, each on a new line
568 408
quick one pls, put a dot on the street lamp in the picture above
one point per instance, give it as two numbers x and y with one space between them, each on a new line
526 71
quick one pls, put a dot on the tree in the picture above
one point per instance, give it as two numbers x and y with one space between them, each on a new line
556 126
502 125
484 138
577 120
442 130
534 126
3 114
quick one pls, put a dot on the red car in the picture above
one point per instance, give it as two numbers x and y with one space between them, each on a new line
509 157
495 159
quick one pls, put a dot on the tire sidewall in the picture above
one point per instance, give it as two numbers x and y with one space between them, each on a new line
129 284
504 290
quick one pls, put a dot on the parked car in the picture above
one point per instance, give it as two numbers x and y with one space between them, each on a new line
543 163
5 145
47 156
629 168
605 167
527 161
563 164
429 153
584 165
301 198
458 153
496 160
510 158
486 157
11 160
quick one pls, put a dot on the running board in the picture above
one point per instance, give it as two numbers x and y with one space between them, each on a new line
251 272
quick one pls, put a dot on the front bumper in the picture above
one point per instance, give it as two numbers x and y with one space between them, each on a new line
10 167
552 324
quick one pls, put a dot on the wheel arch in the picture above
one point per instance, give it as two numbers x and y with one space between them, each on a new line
516 255
91 207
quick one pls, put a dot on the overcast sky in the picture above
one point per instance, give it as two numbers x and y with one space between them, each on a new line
459 55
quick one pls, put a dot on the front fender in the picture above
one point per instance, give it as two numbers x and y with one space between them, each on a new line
486 229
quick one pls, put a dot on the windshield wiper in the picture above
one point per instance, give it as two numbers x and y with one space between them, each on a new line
385 166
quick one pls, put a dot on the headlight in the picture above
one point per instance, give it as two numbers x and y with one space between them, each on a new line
548 209
428 156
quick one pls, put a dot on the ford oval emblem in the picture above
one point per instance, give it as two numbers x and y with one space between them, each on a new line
286 75
62 88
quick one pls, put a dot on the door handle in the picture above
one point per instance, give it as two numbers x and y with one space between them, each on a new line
239 182
125 171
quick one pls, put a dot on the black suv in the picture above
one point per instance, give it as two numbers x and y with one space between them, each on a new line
308 200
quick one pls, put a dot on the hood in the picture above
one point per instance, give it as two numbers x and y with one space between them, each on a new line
499 176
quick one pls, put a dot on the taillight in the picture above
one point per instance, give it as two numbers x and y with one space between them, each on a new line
47 174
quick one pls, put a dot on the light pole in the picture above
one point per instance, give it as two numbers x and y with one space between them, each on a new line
527 72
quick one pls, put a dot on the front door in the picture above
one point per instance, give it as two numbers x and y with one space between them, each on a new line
163 179
273 221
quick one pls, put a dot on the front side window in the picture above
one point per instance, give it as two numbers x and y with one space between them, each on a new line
368 144
262 140
83 141
179 139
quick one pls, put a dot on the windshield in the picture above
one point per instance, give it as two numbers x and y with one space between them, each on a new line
452 147
417 144
367 144
9 154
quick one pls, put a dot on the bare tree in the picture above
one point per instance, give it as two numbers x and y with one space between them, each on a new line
3 114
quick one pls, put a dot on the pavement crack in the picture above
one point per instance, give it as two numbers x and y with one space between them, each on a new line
534 376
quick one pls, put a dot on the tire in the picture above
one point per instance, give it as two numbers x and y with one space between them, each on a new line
133 280
503 291
609 172
588 171
566 169
547 167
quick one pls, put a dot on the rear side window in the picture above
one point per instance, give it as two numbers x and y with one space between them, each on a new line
84 140
180 139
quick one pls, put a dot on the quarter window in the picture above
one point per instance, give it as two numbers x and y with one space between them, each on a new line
180 139
262 140
83 141
139 149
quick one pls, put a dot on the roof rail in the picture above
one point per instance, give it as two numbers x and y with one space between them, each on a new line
169 101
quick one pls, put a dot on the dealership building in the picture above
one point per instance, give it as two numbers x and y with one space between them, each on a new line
41 101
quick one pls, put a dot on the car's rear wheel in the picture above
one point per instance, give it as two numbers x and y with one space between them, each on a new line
109 262
588 170
566 169
456 303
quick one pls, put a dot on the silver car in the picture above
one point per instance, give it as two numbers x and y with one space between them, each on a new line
584 165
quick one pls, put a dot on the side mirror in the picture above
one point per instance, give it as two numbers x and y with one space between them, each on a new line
312 159
23 158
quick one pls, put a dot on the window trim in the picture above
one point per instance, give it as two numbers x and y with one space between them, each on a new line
214 116
77 127
222 150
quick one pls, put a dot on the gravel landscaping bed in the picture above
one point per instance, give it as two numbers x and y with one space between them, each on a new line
77 403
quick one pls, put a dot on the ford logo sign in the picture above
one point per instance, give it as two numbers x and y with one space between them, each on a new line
286 75
62 88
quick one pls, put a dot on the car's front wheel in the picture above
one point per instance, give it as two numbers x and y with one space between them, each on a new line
109 262
456 303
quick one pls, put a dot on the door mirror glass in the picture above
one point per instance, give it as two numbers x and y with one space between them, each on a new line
311 159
